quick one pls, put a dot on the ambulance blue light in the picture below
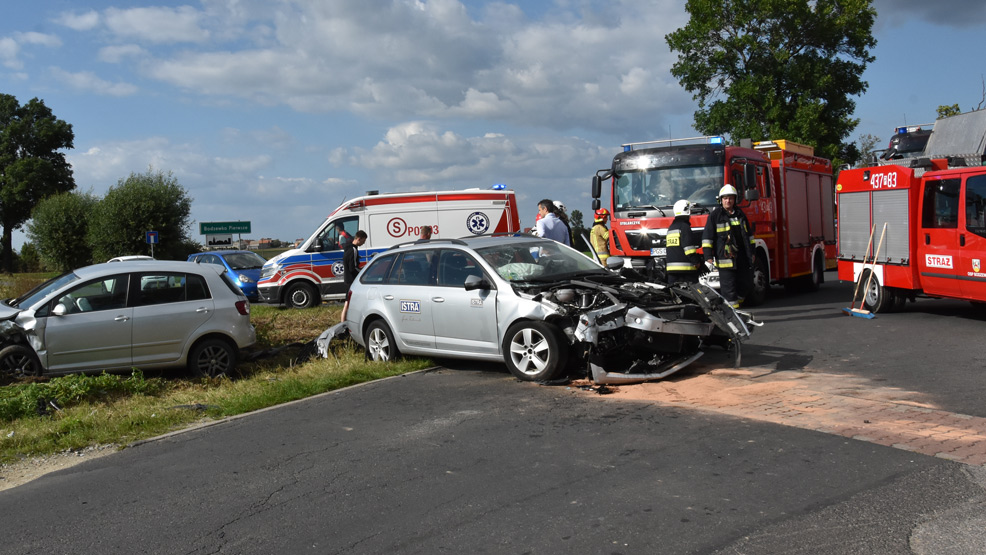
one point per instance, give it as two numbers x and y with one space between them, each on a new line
500 187
901 130
627 148
715 140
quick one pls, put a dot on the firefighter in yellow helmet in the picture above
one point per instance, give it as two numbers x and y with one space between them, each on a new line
683 258
599 235
728 239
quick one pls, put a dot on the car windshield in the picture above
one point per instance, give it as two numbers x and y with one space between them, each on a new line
662 187
244 260
34 295
538 261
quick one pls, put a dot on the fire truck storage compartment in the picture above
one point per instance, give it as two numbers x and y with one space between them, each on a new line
855 216
797 208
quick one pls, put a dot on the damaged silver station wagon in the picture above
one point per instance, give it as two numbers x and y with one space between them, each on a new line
543 308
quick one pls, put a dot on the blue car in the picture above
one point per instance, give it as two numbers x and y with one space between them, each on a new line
243 267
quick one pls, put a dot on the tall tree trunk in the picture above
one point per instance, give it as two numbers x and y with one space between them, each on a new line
7 258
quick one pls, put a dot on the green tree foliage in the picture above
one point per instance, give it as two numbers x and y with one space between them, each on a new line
946 111
777 69
59 230
31 166
29 259
868 145
578 228
152 201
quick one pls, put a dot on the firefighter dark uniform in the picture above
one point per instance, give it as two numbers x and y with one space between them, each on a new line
599 235
727 239
683 259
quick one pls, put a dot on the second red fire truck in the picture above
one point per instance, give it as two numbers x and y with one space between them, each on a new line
784 189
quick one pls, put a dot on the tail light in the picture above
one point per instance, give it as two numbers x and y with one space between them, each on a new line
243 307
349 295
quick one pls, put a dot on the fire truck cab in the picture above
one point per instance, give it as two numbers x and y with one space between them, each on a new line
785 191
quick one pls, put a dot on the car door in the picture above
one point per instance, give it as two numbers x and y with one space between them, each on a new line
95 330
328 251
938 236
465 321
972 240
407 299
168 307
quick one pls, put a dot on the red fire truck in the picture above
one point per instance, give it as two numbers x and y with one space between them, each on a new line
784 189
934 242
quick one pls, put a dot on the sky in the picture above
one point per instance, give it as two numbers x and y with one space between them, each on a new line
275 111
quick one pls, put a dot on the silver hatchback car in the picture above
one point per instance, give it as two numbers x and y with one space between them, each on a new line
123 315
537 305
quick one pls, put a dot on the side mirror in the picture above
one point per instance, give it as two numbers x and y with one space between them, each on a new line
597 187
751 194
596 204
474 282
614 262
59 310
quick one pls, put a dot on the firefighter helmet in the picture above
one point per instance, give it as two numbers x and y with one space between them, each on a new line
602 215
728 190
682 208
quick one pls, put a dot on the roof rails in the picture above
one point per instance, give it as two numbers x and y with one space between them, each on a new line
420 241
706 139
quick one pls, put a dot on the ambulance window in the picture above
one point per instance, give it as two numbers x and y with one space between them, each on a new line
378 270
338 233
975 204
941 204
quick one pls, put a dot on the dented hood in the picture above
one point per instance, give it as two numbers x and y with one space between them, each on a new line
7 312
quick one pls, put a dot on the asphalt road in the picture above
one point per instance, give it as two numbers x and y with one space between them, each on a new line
471 461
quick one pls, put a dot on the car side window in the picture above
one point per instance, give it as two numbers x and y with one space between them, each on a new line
455 266
153 288
414 268
103 294
337 235
378 271
975 205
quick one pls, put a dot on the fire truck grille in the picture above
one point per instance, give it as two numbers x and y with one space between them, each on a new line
644 241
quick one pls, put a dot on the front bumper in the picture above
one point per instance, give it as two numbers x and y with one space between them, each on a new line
269 293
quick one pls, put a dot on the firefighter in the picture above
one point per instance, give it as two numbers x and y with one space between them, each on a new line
728 239
684 261
599 235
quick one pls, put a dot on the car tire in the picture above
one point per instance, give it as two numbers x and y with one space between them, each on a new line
380 344
212 358
301 294
761 281
19 361
876 297
817 275
533 351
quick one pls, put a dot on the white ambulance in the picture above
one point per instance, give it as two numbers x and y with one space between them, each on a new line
305 276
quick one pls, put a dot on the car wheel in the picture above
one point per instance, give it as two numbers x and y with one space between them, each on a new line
212 358
19 361
533 351
761 281
301 295
876 298
817 273
380 344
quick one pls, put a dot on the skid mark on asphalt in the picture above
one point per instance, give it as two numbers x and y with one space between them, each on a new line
829 403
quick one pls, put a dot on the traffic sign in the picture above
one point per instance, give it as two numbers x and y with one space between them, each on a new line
151 237
222 228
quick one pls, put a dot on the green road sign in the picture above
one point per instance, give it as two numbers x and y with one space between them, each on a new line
220 228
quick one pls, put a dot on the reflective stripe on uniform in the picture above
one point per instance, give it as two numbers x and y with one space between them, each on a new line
681 267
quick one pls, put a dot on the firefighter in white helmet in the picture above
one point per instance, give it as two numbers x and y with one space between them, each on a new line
728 239
683 258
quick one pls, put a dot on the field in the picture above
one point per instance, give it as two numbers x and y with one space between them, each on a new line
43 416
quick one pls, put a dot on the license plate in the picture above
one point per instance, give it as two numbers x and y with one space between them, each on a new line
660 251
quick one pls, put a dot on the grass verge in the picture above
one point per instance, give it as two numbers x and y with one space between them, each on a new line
47 416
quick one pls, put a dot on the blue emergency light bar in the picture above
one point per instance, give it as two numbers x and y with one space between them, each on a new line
499 187
712 140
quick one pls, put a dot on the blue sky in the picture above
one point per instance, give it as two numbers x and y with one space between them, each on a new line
275 111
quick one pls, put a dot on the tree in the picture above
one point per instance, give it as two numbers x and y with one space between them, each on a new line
31 166
867 147
59 230
29 260
783 69
946 111
152 201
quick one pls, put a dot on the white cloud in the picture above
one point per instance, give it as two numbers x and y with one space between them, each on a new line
11 47
8 53
118 53
157 25
42 39
79 22
88 81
